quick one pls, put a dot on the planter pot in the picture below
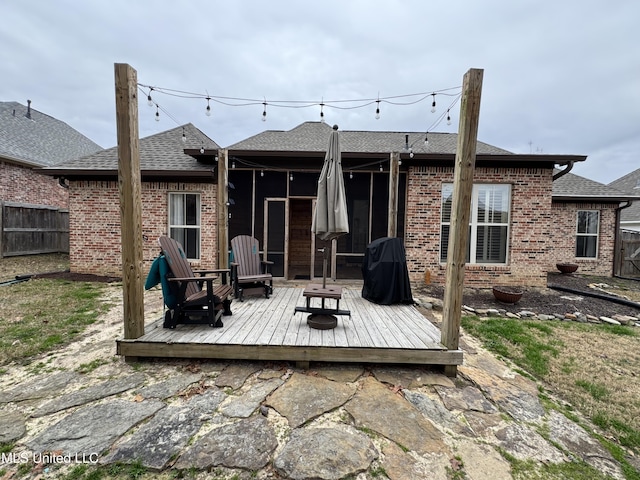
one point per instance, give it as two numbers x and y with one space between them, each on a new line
507 294
567 267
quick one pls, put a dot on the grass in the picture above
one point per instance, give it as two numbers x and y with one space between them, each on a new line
40 315
582 363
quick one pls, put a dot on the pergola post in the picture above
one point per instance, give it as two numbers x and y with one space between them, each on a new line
223 209
460 211
394 181
129 186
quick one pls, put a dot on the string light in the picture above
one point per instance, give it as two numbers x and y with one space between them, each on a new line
184 136
233 164
321 112
202 149
343 104
426 139
433 104
378 109
264 112
149 99
350 175
448 118
291 177
262 173
380 166
157 113
208 111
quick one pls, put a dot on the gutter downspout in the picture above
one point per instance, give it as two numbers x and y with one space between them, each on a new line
563 172
62 183
617 261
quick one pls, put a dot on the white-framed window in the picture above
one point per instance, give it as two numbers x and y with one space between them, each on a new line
489 223
587 230
184 222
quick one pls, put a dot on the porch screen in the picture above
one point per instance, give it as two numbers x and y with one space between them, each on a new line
489 223
184 222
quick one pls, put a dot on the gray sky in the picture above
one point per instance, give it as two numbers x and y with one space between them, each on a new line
559 76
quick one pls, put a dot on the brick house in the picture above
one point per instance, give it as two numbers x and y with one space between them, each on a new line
272 181
587 220
30 140
178 197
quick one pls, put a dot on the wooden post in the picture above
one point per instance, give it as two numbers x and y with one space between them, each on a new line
130 199
223 209
394 180
460 210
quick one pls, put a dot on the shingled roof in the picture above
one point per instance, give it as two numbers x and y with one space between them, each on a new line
33 138
630 184
577 188
160 154
314 136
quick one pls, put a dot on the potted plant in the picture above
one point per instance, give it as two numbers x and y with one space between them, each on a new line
566 267
507 294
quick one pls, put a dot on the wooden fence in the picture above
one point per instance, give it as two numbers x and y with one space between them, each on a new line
32 229
629 258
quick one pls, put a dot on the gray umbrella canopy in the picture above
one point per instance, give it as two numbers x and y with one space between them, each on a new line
330 218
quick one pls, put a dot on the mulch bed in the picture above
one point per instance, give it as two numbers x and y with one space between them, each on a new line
546 300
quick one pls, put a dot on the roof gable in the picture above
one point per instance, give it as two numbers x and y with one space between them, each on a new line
34 138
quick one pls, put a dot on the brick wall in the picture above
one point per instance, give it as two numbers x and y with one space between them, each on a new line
564 239
24 185
530 250
94 212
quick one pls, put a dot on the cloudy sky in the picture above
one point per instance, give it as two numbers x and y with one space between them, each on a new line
559 77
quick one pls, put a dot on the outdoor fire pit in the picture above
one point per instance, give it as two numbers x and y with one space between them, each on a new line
567 267
507 294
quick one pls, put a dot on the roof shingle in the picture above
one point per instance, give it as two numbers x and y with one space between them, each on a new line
40 140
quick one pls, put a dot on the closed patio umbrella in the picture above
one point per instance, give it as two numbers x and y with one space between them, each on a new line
330 218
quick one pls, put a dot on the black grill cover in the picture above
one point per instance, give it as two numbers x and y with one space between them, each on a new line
385 273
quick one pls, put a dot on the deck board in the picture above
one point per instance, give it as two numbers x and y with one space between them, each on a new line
270 328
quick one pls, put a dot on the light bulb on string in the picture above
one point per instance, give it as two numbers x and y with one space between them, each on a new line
377 109
410 153
321 113
149 99
380 167
291 177
264 112
350 175
426 139
208 110
433 104
157 113
202 149
233 164
184 136
448 118
262 173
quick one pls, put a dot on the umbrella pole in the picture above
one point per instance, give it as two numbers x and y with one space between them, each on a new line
324 267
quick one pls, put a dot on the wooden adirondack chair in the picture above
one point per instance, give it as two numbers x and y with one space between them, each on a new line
249 274
191 304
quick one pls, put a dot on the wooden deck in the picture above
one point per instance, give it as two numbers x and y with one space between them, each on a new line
269 329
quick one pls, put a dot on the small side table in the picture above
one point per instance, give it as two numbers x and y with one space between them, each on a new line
322 317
